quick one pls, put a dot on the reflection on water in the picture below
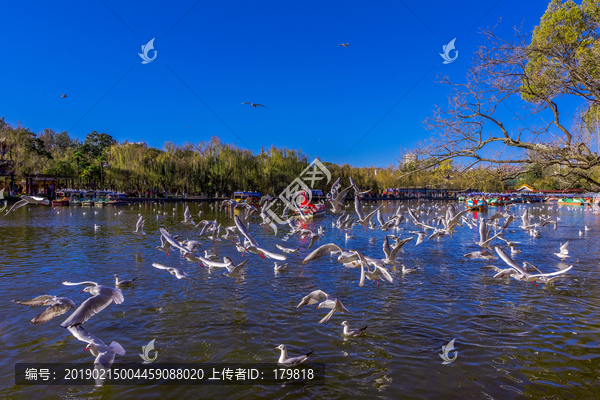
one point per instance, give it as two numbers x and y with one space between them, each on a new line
512 339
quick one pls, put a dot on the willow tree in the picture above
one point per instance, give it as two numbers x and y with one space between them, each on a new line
558 63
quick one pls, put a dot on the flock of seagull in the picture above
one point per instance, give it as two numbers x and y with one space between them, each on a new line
432 223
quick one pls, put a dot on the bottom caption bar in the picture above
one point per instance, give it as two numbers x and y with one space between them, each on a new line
166 374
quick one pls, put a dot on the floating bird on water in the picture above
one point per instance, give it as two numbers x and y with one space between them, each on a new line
125 282
290 362
352 332
407 270
279 268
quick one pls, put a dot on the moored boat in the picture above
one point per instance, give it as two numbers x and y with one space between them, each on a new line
477 204
75 198
63 198
101 198
307 209
88 198
571 202
251 198
114 199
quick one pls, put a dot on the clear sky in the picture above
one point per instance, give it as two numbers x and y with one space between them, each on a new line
214 55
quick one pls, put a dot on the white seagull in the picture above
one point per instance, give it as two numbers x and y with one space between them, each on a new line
523 275
103 296
253 246
290 362
105 355
58 306
352 332
27 200
564 252
139 226
364 219
176 272
325 301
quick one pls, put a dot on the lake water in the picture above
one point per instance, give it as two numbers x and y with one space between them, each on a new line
513 340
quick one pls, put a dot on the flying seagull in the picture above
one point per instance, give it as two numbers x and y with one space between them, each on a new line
27 200
103 296
105 355
176 272
521 274
325 301
58 306
64 96
255 105
344 44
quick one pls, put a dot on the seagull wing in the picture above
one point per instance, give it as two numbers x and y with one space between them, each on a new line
244 231
321 252
313 239
87 283
51 312
383 272
555 273
354 186
363 264
83 335
313 298
386 248
172 240
370 215
139 223
37 301
15 206
330 313
398 247
342 195
511 263
274 256
482 231
88 309
359 209
412 215
238 268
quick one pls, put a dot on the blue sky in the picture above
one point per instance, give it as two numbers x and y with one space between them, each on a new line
321 97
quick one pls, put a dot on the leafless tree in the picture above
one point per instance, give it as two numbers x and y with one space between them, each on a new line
540 76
